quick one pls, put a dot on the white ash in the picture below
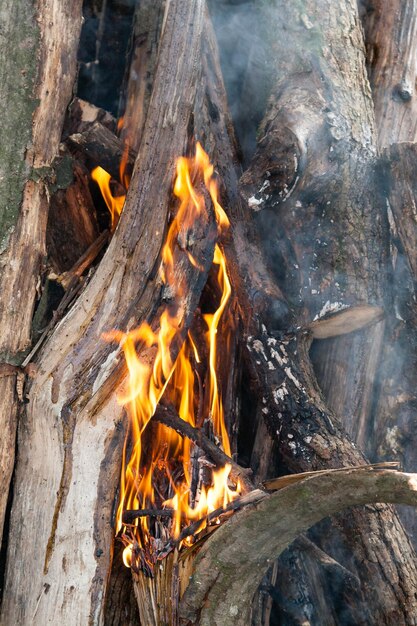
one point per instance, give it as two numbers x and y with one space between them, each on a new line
331 307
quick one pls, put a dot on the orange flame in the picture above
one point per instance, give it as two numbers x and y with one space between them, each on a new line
175 380
114 203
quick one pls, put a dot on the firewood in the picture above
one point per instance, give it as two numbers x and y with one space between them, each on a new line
140 72
267 528
98 146
81 115
72 222
35 89
391 36
117 297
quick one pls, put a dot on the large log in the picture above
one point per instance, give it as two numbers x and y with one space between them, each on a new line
316 198
36 86
59 569
230 565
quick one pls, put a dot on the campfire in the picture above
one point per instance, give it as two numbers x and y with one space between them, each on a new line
208 285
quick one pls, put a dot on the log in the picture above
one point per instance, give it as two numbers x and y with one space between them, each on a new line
72 222
391 59
395 411
98 146
230 564
35 89
141 69
391 47
71 403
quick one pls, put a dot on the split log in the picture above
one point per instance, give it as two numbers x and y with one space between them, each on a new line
81 115
36 86
68 400
97 145
72 223
230 565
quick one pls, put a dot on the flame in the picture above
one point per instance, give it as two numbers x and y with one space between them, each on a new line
153 373
114 203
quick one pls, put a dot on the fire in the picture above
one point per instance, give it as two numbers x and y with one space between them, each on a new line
114 203
160 456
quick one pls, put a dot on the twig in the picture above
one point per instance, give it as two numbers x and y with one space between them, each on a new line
253 497
167 416
84 261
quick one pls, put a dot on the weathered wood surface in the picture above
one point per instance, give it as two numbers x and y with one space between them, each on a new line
230 565
68 413
391 46
148 22
36 82
390 34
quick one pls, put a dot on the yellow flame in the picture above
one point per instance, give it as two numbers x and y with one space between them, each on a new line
114 203
175 379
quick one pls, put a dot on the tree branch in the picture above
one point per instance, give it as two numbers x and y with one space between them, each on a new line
231 563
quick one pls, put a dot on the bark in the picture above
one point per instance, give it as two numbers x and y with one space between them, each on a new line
69 404
139 77
36 86
391 57
396 411
391 46
320 113
230 565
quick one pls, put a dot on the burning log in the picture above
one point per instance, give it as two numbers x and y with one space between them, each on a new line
98 146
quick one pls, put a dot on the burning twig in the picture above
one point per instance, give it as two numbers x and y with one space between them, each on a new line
168 416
